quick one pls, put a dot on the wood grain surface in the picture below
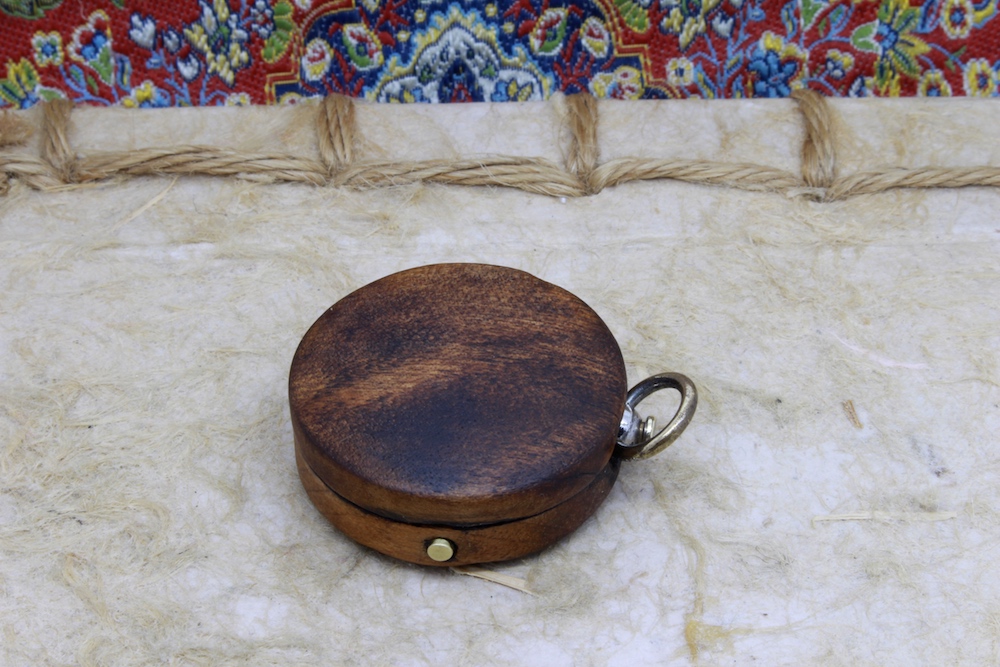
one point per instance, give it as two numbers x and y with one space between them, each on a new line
458 395
475 544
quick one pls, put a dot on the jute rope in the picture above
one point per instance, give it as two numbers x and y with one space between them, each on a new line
200 160
531 174
336 131
734 175
581 159
870 182
819 161
55 139
583 174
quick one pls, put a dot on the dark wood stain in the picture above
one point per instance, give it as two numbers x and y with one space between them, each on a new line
457 395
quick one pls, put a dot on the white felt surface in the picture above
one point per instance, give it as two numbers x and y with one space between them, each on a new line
150 512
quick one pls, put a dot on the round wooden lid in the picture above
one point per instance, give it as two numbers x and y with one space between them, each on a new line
457 394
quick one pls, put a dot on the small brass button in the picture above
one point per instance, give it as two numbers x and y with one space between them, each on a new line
440 550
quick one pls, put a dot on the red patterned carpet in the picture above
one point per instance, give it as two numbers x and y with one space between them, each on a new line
189 53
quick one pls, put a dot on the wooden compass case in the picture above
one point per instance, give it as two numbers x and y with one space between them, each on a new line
457 413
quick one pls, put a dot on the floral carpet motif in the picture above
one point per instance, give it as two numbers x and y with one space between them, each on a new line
216 52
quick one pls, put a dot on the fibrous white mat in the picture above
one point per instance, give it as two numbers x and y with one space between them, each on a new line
834 502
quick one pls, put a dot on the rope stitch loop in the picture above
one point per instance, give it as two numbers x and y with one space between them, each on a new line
337 139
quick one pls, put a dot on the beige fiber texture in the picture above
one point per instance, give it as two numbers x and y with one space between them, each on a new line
834 502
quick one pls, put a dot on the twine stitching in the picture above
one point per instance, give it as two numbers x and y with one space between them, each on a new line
583 174
819 159
581 159
56 150
336 132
